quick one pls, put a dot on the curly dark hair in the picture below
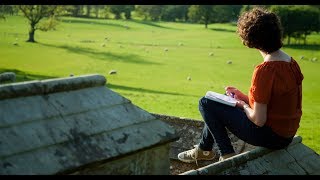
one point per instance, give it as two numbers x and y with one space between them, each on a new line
260 29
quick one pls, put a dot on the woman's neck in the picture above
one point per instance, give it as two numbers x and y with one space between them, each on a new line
275 56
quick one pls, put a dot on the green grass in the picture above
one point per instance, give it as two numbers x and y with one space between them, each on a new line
150 77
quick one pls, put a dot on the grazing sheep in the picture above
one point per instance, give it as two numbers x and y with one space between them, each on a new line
301 57
103 45
166 49
112 72
211 54
314 59
180 44
229 62
189 78
8 76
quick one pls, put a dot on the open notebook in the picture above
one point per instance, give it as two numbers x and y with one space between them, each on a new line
221 98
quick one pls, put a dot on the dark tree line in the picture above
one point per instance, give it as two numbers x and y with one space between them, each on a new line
298 21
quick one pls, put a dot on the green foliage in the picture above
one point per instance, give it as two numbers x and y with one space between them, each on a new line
73 10
225 13
6 10
298 21
35 13
201 13
50 24
117 10
154 79
153 12
175 13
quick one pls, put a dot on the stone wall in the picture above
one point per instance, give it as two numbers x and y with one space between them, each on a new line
190 130
154 161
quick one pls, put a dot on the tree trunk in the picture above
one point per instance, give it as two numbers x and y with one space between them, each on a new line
127 14
31 33
76 11
97 13
88 11
206 22
117 16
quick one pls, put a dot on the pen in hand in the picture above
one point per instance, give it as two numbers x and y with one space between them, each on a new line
230 94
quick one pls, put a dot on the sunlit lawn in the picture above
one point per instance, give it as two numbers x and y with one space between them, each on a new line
152 78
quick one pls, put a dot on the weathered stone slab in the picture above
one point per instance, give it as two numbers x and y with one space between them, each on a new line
308 159
262 161
71 123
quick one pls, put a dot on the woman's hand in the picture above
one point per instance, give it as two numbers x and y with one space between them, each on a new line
237 94
242 104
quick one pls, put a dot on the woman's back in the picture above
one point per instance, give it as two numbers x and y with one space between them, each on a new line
279 84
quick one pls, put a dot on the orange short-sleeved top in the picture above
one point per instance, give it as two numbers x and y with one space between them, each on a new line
279 85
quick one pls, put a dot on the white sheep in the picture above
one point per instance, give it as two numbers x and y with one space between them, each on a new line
113 72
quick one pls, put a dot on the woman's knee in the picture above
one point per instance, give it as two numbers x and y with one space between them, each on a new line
202 102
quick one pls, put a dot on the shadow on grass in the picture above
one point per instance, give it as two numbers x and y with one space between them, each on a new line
25 76
150 23
142 90
84 21
223 30
311 47
105 56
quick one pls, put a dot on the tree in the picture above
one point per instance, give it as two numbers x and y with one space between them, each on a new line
297 21
249 7
74 10
153 12
97 9
116 10
88 10
225 13
34 14
174 12
201 13
6 10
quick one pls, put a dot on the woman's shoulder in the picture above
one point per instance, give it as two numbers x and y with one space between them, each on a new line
275 64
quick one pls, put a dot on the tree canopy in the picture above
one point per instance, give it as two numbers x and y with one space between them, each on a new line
298 21
34 14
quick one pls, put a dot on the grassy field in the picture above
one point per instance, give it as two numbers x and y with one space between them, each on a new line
152 78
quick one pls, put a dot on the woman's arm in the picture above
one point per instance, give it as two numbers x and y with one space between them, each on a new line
258 115
237 94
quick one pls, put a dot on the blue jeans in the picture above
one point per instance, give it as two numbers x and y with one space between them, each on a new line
218 117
